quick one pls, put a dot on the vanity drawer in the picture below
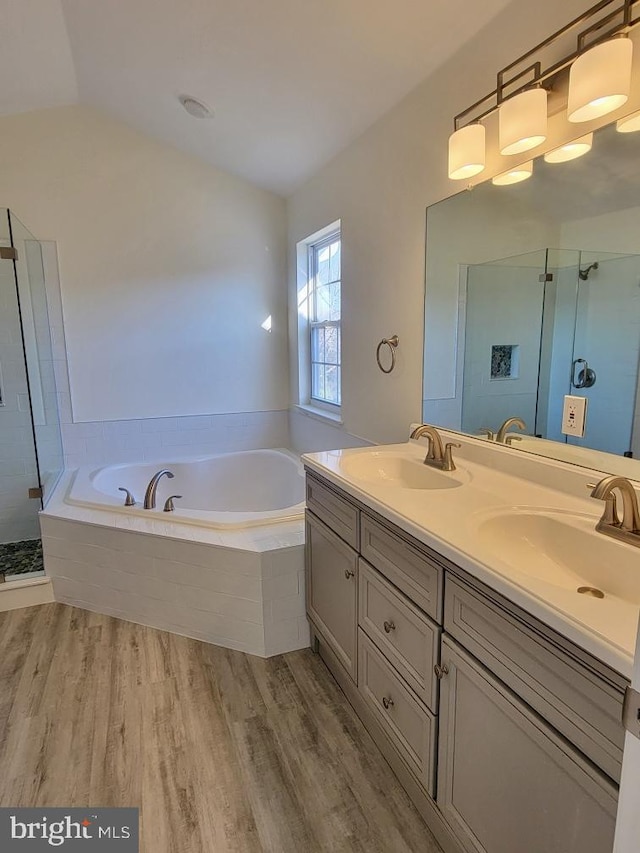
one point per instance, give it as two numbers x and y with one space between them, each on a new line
336 512
409 725
405 565
580 704
408 638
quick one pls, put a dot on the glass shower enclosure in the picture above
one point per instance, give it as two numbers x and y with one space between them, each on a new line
548 324
31 454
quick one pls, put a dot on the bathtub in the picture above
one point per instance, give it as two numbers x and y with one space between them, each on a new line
228 490
226 567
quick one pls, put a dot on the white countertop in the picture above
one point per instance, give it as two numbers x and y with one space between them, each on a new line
447 521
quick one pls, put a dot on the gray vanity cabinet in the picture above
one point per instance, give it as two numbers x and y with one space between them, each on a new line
506 736
506 781
332 591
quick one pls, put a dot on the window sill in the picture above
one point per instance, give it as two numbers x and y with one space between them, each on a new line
318 414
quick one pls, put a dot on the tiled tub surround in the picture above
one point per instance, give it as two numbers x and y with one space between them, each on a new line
109 442
242 588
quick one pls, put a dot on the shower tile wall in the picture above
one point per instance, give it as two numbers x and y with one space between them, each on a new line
18 514
100 442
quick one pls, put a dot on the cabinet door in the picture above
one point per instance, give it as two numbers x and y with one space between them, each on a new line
332 590
506 781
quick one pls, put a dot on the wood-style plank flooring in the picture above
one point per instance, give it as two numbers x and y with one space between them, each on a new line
221 751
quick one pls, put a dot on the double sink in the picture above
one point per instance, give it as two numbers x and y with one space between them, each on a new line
558 547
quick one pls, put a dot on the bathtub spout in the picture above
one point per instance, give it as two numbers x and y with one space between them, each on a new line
152 488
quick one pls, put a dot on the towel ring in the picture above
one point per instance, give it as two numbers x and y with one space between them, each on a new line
392 343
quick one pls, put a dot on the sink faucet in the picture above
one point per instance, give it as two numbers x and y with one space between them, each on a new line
152 488
438 455
510 422
628 530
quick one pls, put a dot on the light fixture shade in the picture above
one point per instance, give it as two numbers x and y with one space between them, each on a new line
467 152
629 124
599 80
523 121
515 175
571 150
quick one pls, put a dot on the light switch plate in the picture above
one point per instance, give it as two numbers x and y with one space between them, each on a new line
574 415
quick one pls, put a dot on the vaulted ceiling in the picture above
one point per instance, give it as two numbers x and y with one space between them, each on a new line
291 81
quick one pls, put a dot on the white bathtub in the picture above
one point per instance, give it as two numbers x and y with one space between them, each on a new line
228 490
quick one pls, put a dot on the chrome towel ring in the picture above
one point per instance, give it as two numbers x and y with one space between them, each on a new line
392 343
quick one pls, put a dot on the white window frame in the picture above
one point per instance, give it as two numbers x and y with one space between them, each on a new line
305 296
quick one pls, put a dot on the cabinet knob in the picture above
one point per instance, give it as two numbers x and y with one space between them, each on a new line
441 671
389 626
348 573
387 701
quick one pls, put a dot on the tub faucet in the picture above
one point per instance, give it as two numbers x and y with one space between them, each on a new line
438 455
628 530
510 422
152 488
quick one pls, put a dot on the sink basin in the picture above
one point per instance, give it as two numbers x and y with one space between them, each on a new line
395 469
564 550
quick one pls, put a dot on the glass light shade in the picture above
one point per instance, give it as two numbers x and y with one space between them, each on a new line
572 150
630 124
515 175
523 121
466 152
600 80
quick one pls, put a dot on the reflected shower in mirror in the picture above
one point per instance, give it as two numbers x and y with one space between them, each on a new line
533 299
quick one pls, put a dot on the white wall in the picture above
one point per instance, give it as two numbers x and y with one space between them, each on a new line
168 268
379 187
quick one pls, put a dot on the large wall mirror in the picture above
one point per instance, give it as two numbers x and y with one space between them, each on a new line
533 296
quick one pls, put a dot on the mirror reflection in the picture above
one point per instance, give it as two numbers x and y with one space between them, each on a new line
533 307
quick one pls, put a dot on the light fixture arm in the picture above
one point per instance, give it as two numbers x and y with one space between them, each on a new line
603 22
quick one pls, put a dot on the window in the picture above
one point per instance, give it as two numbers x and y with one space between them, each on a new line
318 283
324 321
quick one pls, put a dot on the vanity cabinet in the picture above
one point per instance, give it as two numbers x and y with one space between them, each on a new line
506 781
332 590
506 735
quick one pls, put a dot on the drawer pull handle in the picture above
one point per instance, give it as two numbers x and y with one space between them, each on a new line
441 671
348 573
387 701
389 626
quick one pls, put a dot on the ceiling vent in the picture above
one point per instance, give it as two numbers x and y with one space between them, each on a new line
195 108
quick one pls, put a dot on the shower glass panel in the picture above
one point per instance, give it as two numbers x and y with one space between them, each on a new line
606 348
29 420
30 271
503 329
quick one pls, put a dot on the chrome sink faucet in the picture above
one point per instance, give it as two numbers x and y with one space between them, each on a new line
627 530
152 488
501 435
438 455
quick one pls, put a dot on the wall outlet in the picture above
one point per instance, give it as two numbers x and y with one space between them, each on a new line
574 415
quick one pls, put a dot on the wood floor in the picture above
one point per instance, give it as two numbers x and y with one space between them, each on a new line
221 751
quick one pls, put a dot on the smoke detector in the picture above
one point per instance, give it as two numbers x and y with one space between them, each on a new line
195 108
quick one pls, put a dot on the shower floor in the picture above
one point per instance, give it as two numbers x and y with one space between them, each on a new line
21 558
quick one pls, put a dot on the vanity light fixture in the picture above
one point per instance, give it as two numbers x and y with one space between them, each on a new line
598 66
466 152
515 175
570 150
523 121
630 124
600 80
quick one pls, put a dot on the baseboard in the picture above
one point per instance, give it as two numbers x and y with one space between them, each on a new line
16 594
421 800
